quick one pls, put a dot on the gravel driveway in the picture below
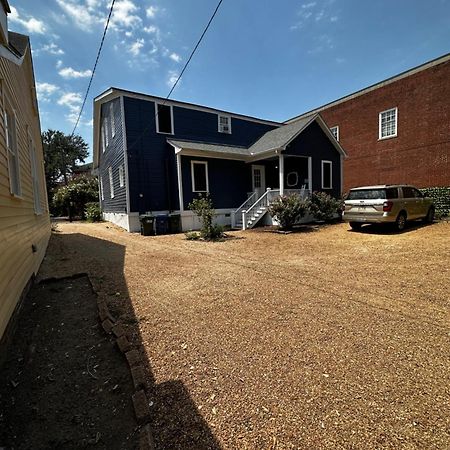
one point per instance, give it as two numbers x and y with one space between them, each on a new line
323 339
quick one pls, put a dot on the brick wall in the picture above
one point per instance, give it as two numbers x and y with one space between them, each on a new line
420 154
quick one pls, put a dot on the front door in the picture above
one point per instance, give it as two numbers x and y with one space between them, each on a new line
258 180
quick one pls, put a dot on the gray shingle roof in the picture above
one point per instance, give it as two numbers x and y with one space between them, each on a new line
216 148
18 42
279 137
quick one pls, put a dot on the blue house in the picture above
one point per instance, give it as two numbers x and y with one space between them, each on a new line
155 156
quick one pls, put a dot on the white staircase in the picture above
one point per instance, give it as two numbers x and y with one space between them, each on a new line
249 214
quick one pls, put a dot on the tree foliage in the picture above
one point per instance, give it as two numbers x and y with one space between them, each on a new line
61 155
324 207
204 209
75 195
288 210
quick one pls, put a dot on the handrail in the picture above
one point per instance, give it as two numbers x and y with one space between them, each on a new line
262 201
240 209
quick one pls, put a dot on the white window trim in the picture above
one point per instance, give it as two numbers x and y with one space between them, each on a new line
121 176
105 122
171 119
103 138
336 127
219 116
102 195
205 163
380 138
113 121
296 179
111 182
35 180
13 151
324 162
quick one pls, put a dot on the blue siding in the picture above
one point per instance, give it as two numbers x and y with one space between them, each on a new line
314 142
112 157
152 164
229 181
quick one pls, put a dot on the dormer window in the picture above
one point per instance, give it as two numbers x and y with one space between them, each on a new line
224 124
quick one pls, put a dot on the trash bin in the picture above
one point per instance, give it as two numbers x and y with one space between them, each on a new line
147 225
162 224
174 223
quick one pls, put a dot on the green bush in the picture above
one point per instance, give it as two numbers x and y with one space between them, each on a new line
75 195
192 235
288 210
324 207
203 208
441 199
92 212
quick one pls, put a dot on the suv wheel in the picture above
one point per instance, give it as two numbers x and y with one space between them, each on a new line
400 222
355 225
430 216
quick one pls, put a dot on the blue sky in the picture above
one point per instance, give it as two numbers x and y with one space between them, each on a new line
270 59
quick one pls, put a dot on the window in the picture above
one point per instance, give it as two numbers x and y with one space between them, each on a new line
101 189
111 182
105 122
335 132
35 177
199 173
327 181
13 154
121 177
410 192
164 118
292 179
103 139
388 123
224 124
113 120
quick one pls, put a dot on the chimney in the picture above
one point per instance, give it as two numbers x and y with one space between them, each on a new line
4 11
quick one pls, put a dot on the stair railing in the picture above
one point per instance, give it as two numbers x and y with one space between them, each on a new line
249 201
262 201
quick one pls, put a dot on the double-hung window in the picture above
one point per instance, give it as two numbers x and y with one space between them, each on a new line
102 195
111 182
164 118
327 174
113 120
224 124
13 153
105 122
388 123
335 132
121 176
35 177
199 173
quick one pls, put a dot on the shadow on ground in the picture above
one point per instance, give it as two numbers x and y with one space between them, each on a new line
175 420
389 229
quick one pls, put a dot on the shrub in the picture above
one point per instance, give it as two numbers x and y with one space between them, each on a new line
441 199
92 212
203 208
288 210
192 235
324 207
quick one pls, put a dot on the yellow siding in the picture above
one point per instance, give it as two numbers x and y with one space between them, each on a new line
20 227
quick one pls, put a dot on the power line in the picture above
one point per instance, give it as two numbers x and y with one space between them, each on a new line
95 66
181 73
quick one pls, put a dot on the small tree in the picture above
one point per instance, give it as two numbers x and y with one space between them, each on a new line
75 195
288 210
324 207
203 208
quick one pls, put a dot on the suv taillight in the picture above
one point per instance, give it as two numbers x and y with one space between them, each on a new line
387 206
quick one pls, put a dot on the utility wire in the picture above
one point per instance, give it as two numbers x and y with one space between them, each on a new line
95 66
181 73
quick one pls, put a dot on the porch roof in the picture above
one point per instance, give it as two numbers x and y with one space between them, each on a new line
271 142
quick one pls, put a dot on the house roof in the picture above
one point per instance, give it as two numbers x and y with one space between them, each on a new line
272 141
280 137
407 73
6 6
18 43
206 147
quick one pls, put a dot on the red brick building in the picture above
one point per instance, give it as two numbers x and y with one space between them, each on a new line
396 131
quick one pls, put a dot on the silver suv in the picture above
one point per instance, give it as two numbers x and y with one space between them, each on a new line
386 204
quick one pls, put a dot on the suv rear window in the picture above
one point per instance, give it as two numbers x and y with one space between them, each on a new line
372 194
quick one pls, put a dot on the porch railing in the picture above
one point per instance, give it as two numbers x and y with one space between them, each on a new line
238 213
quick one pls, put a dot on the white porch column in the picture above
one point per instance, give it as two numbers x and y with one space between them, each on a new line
180 183
310 174
281 172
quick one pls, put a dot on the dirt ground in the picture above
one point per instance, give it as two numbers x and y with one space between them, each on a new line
64 386
323 339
